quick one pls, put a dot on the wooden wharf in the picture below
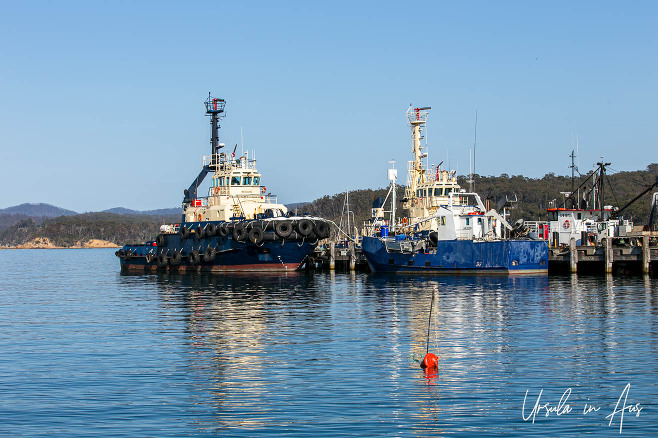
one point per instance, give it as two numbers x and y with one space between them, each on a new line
614 255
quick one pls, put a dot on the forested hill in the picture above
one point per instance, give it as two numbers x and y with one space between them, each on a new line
534 195
67 230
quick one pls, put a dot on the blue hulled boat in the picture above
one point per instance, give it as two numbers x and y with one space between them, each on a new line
446 229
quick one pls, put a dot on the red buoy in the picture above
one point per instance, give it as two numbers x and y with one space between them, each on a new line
430 361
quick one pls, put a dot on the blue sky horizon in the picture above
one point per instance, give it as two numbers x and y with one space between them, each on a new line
103 102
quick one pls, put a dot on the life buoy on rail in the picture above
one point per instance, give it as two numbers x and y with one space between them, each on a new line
199 217
263 189
217 190
566 224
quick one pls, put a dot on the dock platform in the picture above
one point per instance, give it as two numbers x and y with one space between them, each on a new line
619 255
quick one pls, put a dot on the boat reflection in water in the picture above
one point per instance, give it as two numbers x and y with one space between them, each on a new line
287 352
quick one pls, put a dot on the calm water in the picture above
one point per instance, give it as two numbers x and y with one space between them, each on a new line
87 351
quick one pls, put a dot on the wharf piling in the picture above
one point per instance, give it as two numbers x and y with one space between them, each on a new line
608 256
573 256
618 255
646 254
332 255
340 255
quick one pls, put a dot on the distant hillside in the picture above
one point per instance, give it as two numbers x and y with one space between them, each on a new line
131 226
158 212
7 220
37 210
67 230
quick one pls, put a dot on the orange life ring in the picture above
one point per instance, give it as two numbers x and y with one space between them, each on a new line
404 220
263 189
566 224
217 190
200 217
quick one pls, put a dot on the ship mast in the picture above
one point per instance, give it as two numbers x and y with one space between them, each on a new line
215 109
417 118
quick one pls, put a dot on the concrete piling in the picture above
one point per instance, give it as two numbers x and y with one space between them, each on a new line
352 256
332 256
646 255
608 255
573 256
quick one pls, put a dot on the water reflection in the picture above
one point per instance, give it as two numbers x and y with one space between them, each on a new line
334 352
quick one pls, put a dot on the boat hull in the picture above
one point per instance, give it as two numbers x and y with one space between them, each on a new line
461 257
230 255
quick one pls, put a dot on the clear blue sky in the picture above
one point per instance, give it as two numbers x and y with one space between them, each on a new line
102 102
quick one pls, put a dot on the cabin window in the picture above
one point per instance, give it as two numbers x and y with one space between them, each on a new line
448 190
273 212
257 180
580 215
438 192
443 220
480 220
235 181
246 181
468 221
418 193
424 193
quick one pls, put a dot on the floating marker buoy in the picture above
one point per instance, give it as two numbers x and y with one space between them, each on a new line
430 361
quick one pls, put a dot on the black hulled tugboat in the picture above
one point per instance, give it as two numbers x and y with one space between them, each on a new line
237 227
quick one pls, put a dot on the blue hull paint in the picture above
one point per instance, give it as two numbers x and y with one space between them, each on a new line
462 256
231 255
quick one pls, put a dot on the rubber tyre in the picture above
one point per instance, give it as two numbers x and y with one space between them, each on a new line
210 230
239 233
283 229
160 240
222 230
256 235
209 254
322 230
199 233
195 257
162 260
305 227
184 232
176 258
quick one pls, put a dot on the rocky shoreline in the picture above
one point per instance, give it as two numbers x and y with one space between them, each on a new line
45 243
